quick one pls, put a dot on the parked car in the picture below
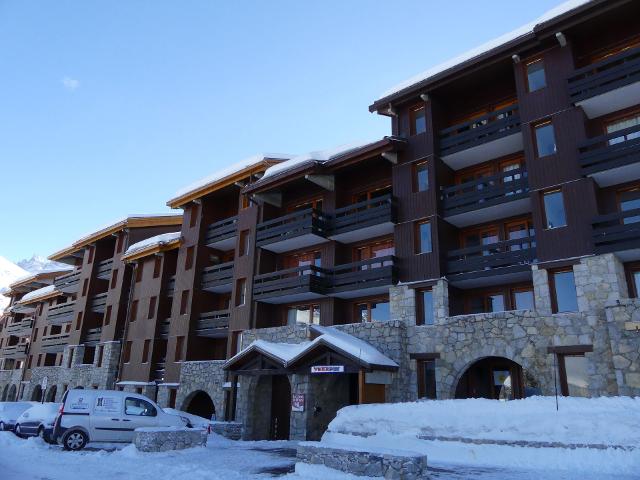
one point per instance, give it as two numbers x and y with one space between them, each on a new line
37 421
107 416
9 413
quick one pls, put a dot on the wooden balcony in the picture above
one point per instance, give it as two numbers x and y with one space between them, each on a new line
213 324
483 138
291 285
290 232
25 309
218 278
15 351
54 343
503 195
359 279
618 232
69 283
170 287
158 371
92 336
103 270
21 328
496 263
362 220
99 303
613 158
222 235
607 86
164 328
59 314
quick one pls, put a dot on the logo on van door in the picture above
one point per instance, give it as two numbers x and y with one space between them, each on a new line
107 405
80 404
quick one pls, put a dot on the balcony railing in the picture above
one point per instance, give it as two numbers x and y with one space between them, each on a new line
99 302
364 275
483 129
485 192
15 351
170 287
20 329
614 150
217 278
617 231
92 336
68 283
281 233
363 215
484 258
213 324
306 281
62 313
609 74
55 343
221 234
164 328
158 371
104 268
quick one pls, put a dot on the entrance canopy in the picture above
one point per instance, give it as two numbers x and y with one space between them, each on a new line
330 347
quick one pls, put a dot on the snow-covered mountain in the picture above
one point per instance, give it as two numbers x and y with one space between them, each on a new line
9 273
37 264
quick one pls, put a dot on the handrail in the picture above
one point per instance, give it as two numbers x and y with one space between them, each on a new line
305 270
219 267
222 223
492 246
384 199
484 180
606 63
469 123
355 266
616 216
584 146
312 212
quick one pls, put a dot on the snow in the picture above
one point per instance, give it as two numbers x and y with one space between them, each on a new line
195 420
164 429
39 264
39 293
9 273
486 47
229 171
279 351
122 220
43 412
153 241
320 156
10 411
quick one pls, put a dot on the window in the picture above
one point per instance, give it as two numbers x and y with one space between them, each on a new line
418 120
184 300
35 334
152 307
78 320
535 75
241 291
139 269
554 214
157 266
423 237
427 379
85 286
114 278
572 371
421 176
243 248
70 357
119 243
633 278
424 303
139 407
545 139
188 263
126 355
99 357
134 311
618 125
193 215
523 299
303 314
179 348
563 291
90 255
629 199
373 311
487 302
107 315
145 351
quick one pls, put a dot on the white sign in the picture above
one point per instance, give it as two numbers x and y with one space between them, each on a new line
110 405
297 402
327 369
45 382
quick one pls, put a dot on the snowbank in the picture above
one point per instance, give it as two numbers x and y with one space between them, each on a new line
43 412
605 420
195 420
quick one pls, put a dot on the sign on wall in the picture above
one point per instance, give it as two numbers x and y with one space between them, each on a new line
327 369
45 382
297 402
110 405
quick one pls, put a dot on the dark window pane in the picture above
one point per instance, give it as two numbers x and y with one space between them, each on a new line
524 300
429 379
565 292
418 121
380 312
554 210
422 177
535 76
545 140
427 307
476 305
577 379
425 238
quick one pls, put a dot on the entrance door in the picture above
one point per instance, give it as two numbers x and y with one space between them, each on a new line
494 378
280 407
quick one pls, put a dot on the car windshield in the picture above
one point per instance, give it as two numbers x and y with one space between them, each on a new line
137 406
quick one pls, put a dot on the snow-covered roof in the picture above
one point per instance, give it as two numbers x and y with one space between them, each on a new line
228 172
282 352
40 293
155 241
42 275
485 47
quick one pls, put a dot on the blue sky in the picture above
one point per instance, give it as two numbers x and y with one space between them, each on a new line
107 108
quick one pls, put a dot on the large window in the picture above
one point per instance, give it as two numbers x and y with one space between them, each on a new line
523 299
427 379
545 139
535 75
303 314
373 311
241 291
629 199
424 304
418 120
563 291
573 375
423 237
487 303
626 123
421 176
554 214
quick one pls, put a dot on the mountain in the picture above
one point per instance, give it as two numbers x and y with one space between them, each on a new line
9 273
37 264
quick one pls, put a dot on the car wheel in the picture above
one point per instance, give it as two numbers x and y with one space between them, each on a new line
74 440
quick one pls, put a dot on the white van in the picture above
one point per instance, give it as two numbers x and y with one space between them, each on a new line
107 416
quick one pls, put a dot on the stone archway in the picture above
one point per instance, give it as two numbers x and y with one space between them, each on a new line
496 378
12 394
36 395
51 394
199 403
269 408
5 392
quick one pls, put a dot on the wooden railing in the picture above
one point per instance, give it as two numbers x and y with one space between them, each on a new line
616 149
613 72
14 351
491 126
68 283
21 328
221 230
158 371
364 274
363 214
170 287
55 343
61 313
291 225
213 324
164 328
217 275
617 231
104 268
485 191
308 278
506 253
99 302
92 336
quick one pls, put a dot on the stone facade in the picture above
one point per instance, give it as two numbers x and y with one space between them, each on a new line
206 376
163 440
230 430
623 321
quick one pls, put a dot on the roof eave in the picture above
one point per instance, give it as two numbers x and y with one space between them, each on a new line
152 249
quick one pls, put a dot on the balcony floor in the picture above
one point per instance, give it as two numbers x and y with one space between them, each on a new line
364 233
223 244
486 151
618 175
611 101
294 243
291 298
491 277
219 288
508 208
362 292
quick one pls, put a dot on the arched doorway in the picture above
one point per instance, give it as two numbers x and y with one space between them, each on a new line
51 394
496 378
12 394
199 403
36 395
5 391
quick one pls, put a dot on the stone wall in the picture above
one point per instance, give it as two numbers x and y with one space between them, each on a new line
206 376
163 440
600 280
623 321
8 379
230 430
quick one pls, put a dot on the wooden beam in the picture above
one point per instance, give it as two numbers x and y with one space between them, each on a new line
327 182
570 349
424 356
272 198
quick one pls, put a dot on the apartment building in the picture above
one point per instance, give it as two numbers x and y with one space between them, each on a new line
488 247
